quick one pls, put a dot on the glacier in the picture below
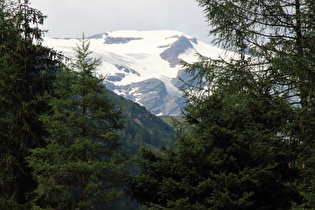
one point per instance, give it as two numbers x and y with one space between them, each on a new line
142 66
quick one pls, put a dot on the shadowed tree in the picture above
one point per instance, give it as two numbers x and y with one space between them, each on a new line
250 115
27 71
279 35
80 168
231 155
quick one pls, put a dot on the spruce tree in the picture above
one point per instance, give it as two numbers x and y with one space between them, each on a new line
232 155
27 71
80 168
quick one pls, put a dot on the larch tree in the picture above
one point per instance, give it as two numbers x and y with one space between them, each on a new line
81 167
27 71
279 35
251 136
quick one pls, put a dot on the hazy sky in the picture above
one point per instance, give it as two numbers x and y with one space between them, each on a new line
70 18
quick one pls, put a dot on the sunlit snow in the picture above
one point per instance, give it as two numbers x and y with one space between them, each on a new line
134 56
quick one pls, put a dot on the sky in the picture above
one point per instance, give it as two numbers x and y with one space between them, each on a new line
71 18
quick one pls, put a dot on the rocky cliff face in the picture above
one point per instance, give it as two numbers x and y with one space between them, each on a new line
152 94
174 50
143 65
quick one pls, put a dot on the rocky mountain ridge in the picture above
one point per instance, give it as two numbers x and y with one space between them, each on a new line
143 66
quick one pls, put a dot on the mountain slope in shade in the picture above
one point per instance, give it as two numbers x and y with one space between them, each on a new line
141 127
143 65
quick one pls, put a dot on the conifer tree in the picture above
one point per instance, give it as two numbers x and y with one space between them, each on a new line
80 168
259 100
281 34
230 156
27 71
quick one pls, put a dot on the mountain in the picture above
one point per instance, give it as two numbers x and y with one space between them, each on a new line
142 128
143 66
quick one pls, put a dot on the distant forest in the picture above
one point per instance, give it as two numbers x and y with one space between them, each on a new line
246 139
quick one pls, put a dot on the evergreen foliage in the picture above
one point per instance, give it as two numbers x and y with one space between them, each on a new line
141 127
281 35
247 140
250 141
80 167
231 156
27 71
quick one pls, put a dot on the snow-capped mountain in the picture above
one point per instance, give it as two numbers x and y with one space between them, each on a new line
143 65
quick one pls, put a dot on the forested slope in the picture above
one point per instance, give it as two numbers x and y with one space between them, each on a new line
141 128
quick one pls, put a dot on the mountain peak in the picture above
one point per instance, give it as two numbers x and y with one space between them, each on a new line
134 33
135 61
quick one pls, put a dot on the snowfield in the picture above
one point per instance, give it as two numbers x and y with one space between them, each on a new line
129 57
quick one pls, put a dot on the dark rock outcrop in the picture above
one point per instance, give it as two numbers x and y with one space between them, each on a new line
152 94
178 47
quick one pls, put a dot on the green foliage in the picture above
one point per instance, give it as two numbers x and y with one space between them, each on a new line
80 167
27 71
141 127
227 161
278 37
251 138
